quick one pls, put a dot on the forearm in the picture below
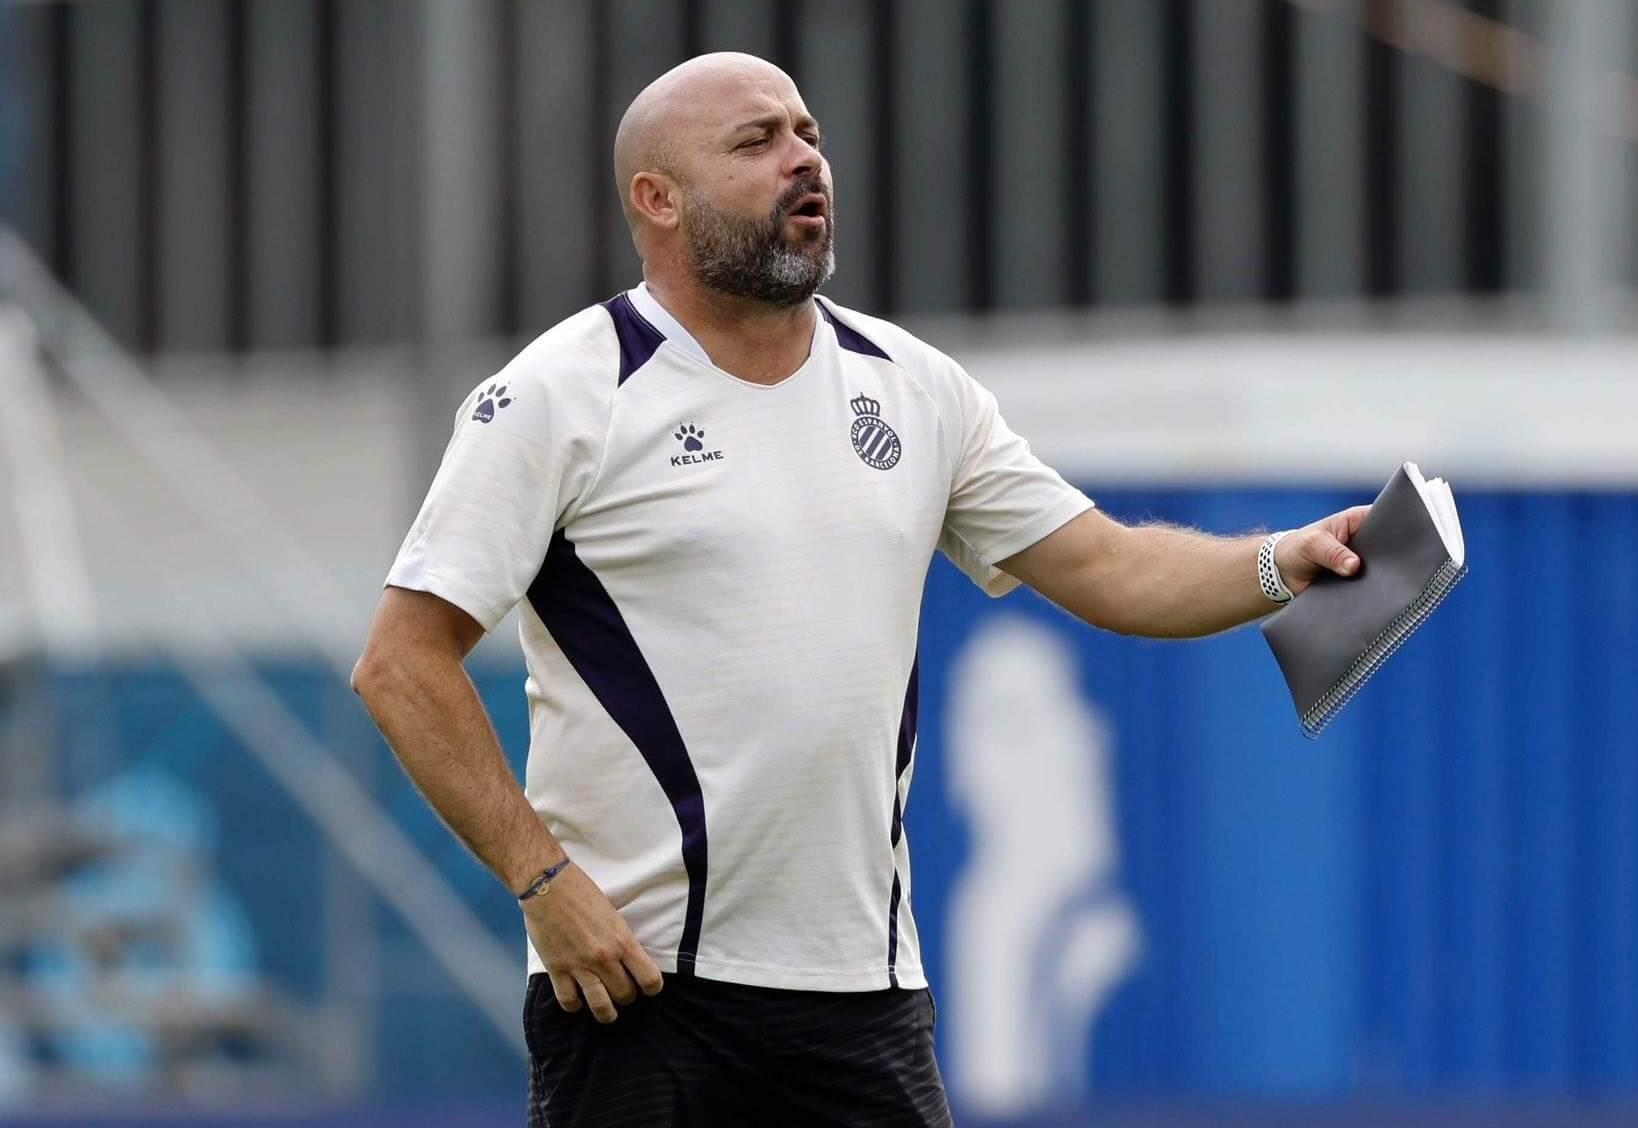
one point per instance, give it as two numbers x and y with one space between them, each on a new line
1168 582
432 717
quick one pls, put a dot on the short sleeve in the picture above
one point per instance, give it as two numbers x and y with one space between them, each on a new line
514 462
1002 498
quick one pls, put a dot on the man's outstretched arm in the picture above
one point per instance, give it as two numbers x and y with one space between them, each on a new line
1159 581
412 681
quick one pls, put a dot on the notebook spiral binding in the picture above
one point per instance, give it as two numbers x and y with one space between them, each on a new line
1381 649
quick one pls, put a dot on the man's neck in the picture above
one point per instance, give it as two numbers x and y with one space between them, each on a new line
754 341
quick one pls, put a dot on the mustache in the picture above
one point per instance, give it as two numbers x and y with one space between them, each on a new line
807 186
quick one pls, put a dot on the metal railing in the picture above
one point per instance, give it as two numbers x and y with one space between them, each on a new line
275 564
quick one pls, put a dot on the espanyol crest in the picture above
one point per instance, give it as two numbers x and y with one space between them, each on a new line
873 440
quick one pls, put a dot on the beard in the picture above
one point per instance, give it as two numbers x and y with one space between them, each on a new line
752 259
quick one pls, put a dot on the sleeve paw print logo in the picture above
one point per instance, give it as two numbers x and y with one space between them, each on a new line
691 437
492 400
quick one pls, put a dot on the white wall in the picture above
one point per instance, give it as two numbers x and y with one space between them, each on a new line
333 455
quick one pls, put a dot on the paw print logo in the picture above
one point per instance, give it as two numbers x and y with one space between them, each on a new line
690 437
492 400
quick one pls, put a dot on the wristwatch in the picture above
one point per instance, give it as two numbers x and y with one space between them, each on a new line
1268 572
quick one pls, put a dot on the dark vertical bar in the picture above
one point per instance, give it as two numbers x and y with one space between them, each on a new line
1279 151
1381 156
1483 177
1178 146
510 315
884 61
693 28
149 201
62 135
1078 139
238 174
600 138
326 197
787 29
981 155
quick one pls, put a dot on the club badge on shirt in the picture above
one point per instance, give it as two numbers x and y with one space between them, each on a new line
874 441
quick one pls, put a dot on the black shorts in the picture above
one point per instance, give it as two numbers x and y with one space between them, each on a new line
708 1053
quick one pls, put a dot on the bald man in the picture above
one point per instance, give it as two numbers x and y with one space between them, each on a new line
714 499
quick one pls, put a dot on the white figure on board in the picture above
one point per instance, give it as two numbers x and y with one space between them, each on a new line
1038 932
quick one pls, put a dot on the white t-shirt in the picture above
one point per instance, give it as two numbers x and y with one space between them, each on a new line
721 586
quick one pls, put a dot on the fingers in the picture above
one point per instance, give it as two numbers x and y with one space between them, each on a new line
1333 554
643 970
606 984
568 995
618 983
597 997
1352 519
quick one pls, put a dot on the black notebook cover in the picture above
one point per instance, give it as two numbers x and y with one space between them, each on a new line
1330 639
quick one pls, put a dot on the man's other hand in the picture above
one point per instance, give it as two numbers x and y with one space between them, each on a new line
587 947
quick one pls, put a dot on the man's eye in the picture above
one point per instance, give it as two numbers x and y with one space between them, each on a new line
753 143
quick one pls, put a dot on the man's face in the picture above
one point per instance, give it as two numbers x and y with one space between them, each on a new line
757 213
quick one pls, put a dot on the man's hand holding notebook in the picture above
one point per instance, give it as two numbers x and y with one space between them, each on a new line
1340 629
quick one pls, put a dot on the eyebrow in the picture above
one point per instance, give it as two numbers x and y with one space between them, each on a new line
770 121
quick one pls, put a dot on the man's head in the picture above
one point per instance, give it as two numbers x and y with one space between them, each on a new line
721 176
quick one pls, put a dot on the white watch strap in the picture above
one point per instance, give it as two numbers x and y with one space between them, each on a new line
1268 573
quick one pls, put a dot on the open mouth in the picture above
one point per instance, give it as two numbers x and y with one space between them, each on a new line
810 207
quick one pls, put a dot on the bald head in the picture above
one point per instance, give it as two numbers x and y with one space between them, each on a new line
722 182
676 112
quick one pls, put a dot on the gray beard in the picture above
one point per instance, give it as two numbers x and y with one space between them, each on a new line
748 258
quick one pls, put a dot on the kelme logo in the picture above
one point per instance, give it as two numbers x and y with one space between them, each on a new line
692 439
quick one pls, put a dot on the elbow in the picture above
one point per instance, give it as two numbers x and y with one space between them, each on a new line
371 673
363 677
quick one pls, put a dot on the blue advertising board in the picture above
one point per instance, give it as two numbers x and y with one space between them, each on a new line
1134 878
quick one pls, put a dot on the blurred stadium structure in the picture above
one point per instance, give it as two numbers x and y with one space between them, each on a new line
1225 262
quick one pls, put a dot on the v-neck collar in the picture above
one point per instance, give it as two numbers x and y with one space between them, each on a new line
649 309
670 328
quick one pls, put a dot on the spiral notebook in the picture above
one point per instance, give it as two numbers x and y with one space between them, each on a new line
1332 638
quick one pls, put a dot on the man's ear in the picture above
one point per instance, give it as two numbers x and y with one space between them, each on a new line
654 196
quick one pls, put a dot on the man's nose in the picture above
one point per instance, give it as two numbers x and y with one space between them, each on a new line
806 160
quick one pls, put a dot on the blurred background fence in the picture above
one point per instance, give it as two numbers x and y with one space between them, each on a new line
234 174
1225 262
